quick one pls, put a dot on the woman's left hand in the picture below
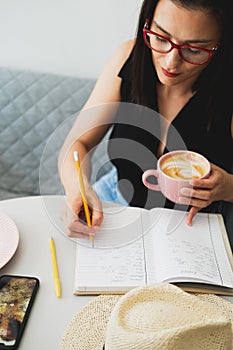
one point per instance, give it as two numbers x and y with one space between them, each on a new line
218 186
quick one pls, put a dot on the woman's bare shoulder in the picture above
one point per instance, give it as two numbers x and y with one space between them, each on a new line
107 88
123 52
126 47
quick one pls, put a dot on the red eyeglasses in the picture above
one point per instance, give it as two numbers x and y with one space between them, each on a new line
191 54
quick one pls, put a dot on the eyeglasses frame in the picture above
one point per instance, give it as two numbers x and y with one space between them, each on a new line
211 52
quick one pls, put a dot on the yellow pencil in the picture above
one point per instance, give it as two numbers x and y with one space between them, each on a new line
83 194
56 279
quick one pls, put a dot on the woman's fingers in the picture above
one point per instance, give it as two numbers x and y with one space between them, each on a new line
192 212
75 219
195 198
78 229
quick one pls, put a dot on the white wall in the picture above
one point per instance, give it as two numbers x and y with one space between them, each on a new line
72 37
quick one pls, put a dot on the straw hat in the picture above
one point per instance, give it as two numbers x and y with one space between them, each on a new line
159 316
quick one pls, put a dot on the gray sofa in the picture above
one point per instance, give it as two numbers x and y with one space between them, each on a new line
36 112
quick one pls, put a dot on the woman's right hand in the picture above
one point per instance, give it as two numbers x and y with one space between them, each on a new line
74 216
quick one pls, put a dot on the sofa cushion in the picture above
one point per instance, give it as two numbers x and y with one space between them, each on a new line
33 106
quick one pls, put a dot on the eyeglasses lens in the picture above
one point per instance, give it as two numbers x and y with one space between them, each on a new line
189 54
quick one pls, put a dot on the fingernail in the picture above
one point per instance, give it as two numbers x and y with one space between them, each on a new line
183 191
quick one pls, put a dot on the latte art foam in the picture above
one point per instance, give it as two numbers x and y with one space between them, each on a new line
180 167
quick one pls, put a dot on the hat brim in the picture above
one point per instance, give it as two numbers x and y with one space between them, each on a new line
225 307
87 328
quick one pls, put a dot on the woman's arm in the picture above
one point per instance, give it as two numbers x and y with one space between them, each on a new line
89 128
218 186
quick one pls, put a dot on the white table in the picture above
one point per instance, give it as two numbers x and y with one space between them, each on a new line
37 219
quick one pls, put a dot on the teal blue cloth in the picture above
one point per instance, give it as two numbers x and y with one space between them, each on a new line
107 188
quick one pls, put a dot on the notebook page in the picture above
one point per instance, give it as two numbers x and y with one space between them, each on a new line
149 226
218 244
117 261
187 253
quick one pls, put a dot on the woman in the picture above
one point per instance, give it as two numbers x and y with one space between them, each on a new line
178 65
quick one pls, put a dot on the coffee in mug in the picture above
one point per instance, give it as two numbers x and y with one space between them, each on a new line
175 170
184 166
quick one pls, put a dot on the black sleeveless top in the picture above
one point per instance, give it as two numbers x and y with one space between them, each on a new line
135 138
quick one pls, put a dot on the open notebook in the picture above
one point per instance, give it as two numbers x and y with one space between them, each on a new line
136 246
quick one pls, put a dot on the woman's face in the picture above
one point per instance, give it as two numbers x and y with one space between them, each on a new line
182 26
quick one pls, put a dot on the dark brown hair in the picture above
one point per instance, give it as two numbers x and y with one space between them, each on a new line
215 77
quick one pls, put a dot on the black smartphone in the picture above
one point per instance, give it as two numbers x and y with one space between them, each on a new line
17 294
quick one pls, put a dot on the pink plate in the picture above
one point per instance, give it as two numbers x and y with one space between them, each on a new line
9 239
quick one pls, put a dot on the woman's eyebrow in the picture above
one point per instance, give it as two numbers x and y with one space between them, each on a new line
190 41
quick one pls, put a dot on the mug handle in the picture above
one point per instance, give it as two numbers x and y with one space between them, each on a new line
146 174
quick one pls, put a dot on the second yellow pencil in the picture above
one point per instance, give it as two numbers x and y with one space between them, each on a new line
56 278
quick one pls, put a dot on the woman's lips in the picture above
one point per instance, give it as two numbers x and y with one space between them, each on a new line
169 74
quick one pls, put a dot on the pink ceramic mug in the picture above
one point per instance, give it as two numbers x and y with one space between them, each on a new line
175 170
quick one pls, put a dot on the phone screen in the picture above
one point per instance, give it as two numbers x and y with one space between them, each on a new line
17 294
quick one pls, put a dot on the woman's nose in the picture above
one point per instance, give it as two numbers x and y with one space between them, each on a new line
173 58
